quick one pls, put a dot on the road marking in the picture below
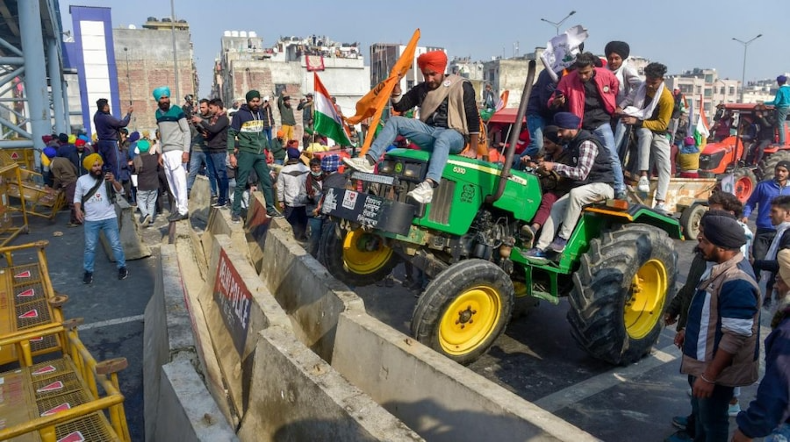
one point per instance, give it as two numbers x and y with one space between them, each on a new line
111 322
589 387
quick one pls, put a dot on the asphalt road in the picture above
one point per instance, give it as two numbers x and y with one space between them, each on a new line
538 360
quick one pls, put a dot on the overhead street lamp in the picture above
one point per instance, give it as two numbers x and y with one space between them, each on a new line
558 24
743 75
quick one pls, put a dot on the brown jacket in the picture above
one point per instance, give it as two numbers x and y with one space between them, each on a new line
63 171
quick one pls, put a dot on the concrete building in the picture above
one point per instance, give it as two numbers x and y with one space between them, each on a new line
761 90
288 66
465 67
384 55
124 65
706 85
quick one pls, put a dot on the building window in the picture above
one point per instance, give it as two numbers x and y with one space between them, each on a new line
708 78
721 90
708 93
732 90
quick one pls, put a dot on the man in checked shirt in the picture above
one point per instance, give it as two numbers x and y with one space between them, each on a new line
591 174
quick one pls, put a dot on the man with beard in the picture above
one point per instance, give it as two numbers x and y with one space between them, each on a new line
720 346
94 208
287 119
591 178
247 127
216 128
107 132
199 152
175 139
448 120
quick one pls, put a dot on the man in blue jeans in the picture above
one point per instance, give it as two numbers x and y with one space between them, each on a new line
448 120
107 128
199 153
781 104
94 207
216 134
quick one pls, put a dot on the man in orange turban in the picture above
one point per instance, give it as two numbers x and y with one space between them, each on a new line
448 121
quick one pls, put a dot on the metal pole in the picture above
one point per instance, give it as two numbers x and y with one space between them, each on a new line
66 113
743 74
128 80
35 76
56 83
175 54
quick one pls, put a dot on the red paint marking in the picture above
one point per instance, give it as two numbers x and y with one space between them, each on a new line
44 370
73 437
61 408
15 155
57 385
31 314
24 274
37 339
29 293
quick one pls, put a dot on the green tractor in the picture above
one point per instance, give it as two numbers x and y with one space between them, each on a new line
618 267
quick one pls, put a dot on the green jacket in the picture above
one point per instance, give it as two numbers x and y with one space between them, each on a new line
286 113
277 150
247 126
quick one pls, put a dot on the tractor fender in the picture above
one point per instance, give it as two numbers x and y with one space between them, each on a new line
641 214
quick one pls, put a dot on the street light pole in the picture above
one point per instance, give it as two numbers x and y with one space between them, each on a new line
558 24
128 80
743 74
175 54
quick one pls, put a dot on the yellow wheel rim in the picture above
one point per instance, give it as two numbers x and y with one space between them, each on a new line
648 290
364 253
469 320
519 289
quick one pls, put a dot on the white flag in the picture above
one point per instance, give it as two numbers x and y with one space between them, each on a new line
561 51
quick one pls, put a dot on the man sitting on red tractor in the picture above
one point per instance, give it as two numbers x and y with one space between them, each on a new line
591 176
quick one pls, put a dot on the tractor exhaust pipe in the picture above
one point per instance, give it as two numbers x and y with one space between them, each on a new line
511 149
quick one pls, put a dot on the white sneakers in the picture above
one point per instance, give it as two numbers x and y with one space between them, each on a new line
360 164
423 193
660 206
644 185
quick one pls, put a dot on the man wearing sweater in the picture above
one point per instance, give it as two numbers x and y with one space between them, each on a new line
781 103
175 139
247 127
216 130
107 129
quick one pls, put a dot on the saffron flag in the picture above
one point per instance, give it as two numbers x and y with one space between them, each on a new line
374 102
502 100
326 119
701 132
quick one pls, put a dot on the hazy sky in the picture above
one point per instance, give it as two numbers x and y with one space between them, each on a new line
681 34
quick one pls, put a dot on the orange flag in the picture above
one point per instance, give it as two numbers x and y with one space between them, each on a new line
374 102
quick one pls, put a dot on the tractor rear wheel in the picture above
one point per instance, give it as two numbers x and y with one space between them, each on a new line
767 167
356 257
620 292
464 309
745 182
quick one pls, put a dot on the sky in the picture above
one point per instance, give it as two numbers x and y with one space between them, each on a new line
680 34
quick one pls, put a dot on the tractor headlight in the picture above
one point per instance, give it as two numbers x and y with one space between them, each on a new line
386 167
412 170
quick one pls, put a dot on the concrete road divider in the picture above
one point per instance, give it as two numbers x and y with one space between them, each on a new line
200 199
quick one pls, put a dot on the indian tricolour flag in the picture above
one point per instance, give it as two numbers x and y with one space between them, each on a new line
701 132
326 120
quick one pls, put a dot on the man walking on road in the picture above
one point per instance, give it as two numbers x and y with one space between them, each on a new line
94 208
247 127
175 139
107 128
720 347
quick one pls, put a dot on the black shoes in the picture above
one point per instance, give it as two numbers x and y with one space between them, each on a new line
175 217
87 278
235 218
273 213
123 273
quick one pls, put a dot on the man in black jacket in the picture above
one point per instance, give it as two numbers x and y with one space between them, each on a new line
448 120
216 131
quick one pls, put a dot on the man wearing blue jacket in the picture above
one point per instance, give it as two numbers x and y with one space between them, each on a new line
107 128
761 199
781 104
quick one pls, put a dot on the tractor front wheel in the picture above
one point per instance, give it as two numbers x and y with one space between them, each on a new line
464 310
620 292
356 257
745 182
690 218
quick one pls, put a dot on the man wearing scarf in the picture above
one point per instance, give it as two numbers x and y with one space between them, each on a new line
448 120
175 139
617 54
649 116
780 218
720 343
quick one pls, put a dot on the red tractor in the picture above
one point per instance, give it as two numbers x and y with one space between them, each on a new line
728 154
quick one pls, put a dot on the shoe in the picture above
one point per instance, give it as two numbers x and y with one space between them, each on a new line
681 422
734 409
235 218
661 207
123 273
360 164
273 213
536 255
175 217
73 224
140 221
644 185
620 195
679 436
146 221
558 245
416 287
87 278
408 282
217 204
423 193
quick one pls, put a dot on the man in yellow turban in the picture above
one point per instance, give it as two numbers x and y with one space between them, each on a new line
94 206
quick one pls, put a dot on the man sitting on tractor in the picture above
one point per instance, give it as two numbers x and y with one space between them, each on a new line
448 120
766 123
591 176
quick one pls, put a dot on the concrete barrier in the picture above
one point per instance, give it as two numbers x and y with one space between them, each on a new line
200 199
175 407
131 241
296 396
